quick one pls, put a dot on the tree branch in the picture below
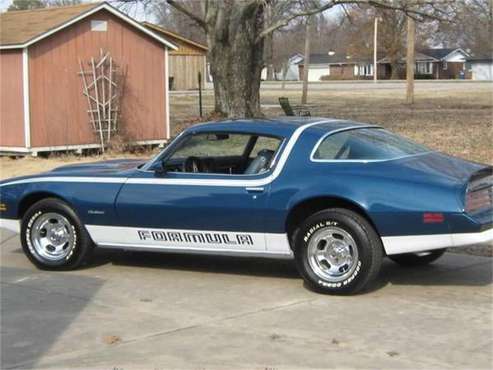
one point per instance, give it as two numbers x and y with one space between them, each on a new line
410 8
199 20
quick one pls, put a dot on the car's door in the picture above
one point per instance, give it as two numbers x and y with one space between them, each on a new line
221 210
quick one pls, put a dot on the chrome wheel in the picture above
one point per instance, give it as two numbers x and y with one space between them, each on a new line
52 236
332 254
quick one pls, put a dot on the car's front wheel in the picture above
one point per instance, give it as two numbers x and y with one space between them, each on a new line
53 237
337 251
417 259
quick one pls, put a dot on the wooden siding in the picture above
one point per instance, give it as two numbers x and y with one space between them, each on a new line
184 48
184 70
453 70
11 99
58 108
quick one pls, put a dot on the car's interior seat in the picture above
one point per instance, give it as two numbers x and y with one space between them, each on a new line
260 163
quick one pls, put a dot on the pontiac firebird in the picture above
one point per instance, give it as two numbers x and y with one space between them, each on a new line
335 195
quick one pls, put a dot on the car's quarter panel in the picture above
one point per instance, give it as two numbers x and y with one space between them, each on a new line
394 194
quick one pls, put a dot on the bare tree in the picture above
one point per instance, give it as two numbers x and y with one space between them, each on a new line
236 32
62 2
472 27
391 35
25 5
410 60
174 20
306 62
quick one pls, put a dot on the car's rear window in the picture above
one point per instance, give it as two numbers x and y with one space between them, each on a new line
366 144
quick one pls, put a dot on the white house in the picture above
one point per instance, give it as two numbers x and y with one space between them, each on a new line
292 68
481 68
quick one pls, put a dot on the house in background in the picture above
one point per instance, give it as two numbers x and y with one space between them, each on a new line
291 73
480 68
441 63
339 66
318 68
43 108
184 63
430 64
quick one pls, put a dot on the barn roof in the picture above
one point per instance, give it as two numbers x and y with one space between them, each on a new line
22 28
159 29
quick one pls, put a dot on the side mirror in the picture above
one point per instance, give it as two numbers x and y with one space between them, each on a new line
159 168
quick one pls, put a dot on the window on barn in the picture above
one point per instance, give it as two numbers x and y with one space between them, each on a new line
99 26
424 68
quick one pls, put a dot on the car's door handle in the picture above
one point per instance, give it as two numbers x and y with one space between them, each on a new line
255 190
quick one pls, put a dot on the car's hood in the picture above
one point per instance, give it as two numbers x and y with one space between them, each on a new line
105 168
112 168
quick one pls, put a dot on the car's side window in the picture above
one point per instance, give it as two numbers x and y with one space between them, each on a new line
212 145
365 144
332 147
265 143
223 153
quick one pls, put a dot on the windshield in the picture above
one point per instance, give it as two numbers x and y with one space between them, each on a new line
366 144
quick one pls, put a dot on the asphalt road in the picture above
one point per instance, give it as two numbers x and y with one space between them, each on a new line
420 85
344 86
174 311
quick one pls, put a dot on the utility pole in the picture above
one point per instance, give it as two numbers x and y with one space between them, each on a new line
306 62
410 60
375 40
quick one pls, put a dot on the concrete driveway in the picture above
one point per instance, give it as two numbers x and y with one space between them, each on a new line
174 311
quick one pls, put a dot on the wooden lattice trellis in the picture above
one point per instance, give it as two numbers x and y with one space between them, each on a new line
101 86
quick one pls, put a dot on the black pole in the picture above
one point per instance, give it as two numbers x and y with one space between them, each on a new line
200 94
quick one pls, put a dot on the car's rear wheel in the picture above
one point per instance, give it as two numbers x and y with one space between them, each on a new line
417 259
53 237
337 251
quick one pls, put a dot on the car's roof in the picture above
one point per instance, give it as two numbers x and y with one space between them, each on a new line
281 126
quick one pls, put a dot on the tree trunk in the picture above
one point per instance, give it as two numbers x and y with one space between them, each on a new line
285 67
306 62
394 68
269 46
236 62
411 35
269 57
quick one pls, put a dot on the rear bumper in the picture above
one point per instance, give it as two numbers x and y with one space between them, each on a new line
420 243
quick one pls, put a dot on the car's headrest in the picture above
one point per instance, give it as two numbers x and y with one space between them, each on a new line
261 162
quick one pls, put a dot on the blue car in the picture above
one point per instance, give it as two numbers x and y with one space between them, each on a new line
335 195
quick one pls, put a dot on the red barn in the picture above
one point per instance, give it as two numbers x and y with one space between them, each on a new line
42 107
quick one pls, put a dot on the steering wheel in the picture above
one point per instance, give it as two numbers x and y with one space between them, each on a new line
193 164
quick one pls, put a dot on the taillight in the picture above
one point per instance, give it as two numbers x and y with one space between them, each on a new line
479 194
